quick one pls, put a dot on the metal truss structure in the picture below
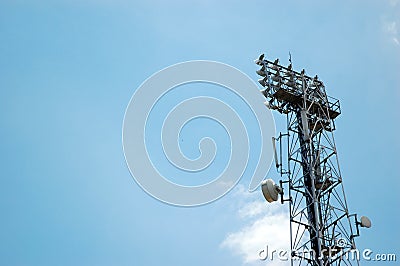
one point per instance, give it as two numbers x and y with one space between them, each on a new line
321 227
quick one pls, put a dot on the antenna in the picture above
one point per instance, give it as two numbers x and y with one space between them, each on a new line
319 218
365 222
270 190
275 153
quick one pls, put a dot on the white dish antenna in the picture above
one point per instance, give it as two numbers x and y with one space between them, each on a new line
270 190
365 222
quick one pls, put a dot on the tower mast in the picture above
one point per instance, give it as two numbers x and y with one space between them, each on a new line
321 227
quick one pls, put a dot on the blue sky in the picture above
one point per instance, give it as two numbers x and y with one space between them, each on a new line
69 68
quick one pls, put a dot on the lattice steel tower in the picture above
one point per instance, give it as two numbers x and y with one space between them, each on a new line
321 228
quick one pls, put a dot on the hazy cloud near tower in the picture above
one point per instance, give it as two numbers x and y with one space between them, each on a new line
391 28
390 22
263 225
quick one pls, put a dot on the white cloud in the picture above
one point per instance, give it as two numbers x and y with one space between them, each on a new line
265 225
390 28
252 209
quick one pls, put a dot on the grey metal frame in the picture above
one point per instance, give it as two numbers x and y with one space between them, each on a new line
320 226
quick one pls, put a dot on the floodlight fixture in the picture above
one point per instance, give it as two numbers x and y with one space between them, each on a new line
276 77
263 82
261 72
259 61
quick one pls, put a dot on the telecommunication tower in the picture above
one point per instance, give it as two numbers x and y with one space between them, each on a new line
322 231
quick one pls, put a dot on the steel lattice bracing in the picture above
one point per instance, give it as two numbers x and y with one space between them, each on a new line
321 230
